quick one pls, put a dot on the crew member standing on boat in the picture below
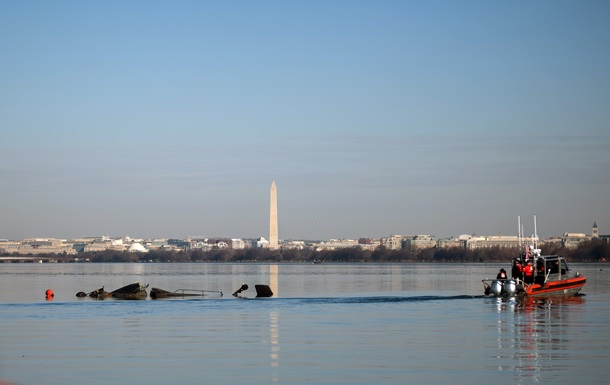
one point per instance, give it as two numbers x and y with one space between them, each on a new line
502 274
528 273
517 270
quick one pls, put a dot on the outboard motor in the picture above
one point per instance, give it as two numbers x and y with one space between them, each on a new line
496 287
510 287
243 287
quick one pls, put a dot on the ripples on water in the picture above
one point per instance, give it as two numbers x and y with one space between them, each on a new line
329 324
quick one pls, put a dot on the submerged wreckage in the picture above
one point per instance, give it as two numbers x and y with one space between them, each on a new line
138 291
133 291
156 293
262 291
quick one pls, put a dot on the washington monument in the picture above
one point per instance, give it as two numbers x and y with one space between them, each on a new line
273 242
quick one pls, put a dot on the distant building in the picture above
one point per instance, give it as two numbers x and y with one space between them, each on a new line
572 240
137 247
179 244
393 242
451 242
502 241
157 244
411 242
369 243
334 244
11 247
262 242
298 245
595 234
221 244
38 246
201 245
419 242
237 244
556 241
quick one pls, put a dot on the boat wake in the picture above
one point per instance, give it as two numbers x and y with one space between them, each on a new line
378 299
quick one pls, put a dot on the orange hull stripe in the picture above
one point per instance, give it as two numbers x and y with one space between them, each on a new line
557 286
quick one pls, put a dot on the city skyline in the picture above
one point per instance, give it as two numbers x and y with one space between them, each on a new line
162 119
592 231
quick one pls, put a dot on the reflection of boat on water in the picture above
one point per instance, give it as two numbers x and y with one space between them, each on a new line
558 302
550 277
535 335
527 303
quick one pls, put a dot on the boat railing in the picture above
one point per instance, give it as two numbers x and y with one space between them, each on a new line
516 280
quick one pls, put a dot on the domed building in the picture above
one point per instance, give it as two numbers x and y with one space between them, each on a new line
136 247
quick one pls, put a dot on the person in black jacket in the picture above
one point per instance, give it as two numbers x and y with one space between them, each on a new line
502 274
517 270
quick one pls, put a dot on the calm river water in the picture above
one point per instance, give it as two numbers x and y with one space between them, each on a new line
326 324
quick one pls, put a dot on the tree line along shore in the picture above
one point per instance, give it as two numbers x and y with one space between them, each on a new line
595 250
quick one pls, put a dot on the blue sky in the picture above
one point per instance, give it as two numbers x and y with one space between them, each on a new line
168 119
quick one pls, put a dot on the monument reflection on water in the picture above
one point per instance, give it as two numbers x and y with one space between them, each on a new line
274 320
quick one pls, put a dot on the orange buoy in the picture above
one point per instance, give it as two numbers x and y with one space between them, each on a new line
49 293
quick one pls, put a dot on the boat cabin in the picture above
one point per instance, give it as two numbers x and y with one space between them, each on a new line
551 268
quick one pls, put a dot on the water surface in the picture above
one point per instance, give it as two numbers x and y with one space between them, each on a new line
327 324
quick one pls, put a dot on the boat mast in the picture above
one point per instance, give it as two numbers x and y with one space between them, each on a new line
519 229
535 232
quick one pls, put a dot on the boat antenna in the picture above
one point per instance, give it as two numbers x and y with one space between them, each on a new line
535 232
519 229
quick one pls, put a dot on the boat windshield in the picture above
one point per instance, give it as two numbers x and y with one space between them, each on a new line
555 265
564 267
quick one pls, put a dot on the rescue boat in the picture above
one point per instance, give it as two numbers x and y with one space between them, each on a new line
552 278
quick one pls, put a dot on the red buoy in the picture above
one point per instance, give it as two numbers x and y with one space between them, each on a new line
49 293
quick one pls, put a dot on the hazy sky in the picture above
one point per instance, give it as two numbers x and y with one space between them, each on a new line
172 118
